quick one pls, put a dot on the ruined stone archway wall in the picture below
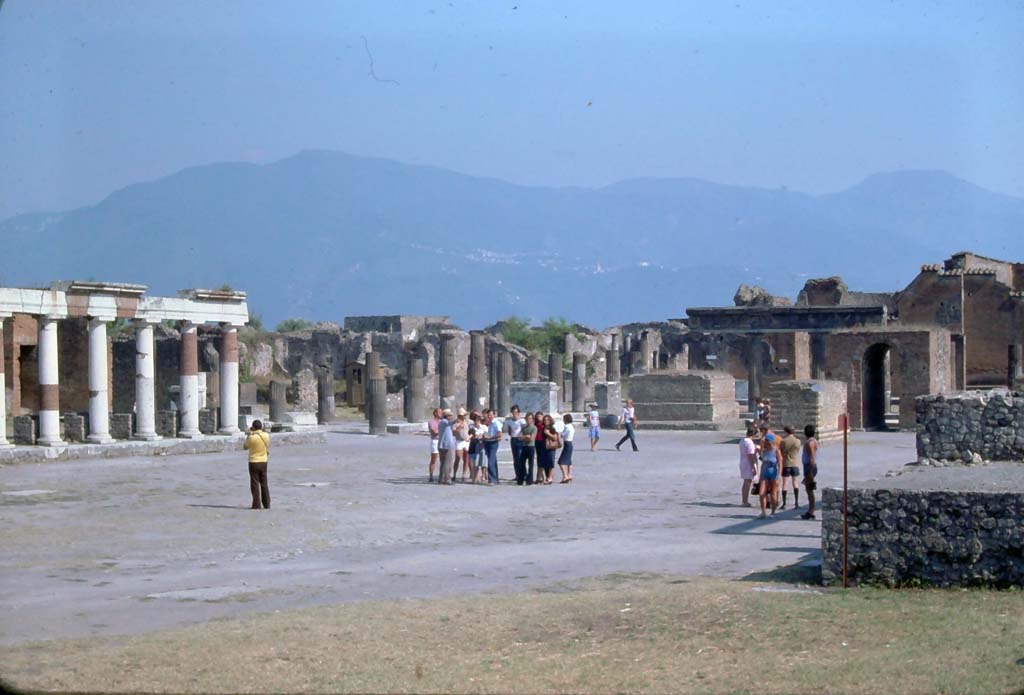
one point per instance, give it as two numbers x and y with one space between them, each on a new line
919 363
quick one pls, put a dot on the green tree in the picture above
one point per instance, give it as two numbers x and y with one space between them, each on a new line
289 325
255 322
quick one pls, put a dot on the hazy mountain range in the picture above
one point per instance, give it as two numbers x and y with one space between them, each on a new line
322 235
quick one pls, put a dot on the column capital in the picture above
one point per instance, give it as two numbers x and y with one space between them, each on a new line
105 318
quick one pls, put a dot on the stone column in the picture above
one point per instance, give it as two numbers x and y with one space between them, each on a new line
415 396
555 375
476 386
145 383
532 368
446 371
4 444
817 356
645 351
373 362
754 353
229 380
959 363
613 368
376 395
278 400
503 362
189 380
49 383
579 381
636 363
325 395
99 378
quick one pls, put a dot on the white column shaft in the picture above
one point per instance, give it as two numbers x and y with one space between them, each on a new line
145 386
49 384
99 375
189 381
3 392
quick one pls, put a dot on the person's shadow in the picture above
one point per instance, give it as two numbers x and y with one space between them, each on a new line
221 506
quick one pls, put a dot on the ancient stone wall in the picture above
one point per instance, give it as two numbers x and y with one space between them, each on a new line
801 403
971 426
937 537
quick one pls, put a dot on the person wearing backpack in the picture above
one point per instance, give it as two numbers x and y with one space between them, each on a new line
257 442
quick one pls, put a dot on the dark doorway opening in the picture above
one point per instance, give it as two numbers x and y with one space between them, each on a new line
876 386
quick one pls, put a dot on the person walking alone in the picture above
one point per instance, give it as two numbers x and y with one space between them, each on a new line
628 419
257 443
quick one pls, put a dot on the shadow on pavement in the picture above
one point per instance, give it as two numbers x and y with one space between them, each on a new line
806 570
222 506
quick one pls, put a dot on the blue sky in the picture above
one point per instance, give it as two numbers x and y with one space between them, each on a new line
813 96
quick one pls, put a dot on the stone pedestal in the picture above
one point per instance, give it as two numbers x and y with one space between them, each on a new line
278 400
608 395
579 381
74 427
476 384
24 430
689 400
532 396
208 421
415 392
167 423
121 425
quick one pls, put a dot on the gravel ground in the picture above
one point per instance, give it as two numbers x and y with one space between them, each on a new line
124 546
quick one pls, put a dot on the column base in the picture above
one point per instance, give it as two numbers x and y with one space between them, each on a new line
146 437
190 435
4 444
50 441
99 439
229 430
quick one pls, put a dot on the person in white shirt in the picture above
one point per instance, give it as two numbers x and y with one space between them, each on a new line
513 426
565 458
748 464
594 426
628 418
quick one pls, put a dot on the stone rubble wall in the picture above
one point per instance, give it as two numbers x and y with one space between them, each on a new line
940 538
971 426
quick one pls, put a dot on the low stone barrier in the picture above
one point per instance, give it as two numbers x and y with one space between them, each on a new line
971 426
904 530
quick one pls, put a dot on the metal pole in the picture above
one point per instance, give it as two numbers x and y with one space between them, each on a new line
846 428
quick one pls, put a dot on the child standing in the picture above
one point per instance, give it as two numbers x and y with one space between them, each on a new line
594 426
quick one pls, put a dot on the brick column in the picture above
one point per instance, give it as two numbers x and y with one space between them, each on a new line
189 380
49 383
4 444
228 379
145 383
99 378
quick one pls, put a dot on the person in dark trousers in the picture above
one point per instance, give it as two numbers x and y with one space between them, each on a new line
257 443
628 419
527 451
810 461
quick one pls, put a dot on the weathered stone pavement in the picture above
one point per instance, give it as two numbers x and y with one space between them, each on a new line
128 545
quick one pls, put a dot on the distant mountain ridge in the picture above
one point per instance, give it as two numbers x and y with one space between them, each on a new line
324 234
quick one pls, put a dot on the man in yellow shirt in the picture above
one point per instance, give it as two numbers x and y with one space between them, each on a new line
257 441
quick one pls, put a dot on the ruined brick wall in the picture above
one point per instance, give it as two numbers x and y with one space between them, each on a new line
919 365
801 403
940 538
971 427
21 335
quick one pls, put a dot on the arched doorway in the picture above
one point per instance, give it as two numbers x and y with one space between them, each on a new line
876 386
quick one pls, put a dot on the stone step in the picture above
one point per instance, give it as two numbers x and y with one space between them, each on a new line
726 426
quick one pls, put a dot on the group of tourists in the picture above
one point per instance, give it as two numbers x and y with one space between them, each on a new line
767 461
470 441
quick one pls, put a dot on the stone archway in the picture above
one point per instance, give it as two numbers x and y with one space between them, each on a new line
876 386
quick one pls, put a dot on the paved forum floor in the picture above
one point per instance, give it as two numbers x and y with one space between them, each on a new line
130 545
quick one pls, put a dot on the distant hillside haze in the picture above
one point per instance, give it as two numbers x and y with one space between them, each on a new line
322 235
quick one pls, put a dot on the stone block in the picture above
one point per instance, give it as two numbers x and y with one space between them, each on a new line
808 402
532 396
608 395
24 430
74 427
698 396
297 419
122 425
167 423
247 393
208 418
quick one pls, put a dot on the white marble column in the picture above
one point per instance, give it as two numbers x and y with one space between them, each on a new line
189 380
49 383
228 380
4 444
99 377
145 383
